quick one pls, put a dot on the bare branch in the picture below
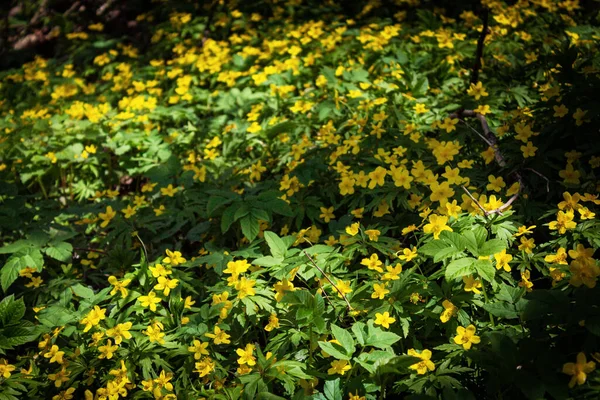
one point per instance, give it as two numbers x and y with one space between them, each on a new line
328 279
474 200
542 176
490 138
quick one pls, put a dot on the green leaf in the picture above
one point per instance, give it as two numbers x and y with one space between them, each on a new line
229 217
82 291
485 269
28 257
344 337
492 247
332 390
501 309
60 251
433 247
11 311
379 338
334 350
250 227
276 245
359 332
459 268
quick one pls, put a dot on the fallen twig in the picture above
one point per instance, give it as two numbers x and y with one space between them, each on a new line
490 139
542 176
328 279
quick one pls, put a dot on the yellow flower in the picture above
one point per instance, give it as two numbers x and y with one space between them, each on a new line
570 175
219 336
372 263
393 273
559 258
119 286
564 221
327 214
198 348
466 336
150 301
379 291
169 190
107 216
373 234
129 211
55 355
477 91
281 287
496 184
502 260
384 319
436 225
107 350
154 334
246 356
173 258
159 270
560 111
343 286
339 367
449 311
6 368
93 318
166 285
578 370
120 332
420 108
472 284
245 287
425 364
273 323
408 254
353 229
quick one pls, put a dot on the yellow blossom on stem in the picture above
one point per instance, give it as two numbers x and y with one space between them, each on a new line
578 370
466 336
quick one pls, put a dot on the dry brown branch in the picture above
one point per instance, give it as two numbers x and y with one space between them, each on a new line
488 136
541 176
328 279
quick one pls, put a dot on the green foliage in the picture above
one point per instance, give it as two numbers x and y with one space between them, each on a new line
301 200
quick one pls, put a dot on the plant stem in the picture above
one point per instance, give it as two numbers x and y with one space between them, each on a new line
485 296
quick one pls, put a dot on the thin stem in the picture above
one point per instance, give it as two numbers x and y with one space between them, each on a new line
487 302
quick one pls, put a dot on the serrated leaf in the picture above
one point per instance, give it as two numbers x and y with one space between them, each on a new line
250 227
492 247
61 251
334 350
459 268
485 269
11 311
276 245
344 337
433 247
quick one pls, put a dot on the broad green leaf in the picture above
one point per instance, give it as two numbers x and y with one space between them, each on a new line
501 309
459 268
492 247
332 390
344 337
60 251
11 311
27 257
276 245
485 269
250 227
433 247
334 350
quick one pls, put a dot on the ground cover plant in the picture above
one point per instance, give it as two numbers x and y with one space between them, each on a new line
294 199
